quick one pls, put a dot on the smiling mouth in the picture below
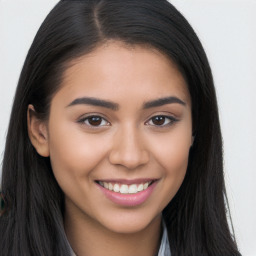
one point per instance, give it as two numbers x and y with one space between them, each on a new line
125 188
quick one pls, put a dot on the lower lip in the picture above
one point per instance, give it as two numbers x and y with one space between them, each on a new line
128 199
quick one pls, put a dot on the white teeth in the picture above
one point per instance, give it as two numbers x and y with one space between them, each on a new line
124 188
116 188
140 187
145 186
133 189
105 184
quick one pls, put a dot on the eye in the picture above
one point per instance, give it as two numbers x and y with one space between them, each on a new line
161 120
95 121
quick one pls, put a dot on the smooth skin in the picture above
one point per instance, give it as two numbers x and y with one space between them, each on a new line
126 139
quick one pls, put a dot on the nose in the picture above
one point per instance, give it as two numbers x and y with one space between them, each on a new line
128 149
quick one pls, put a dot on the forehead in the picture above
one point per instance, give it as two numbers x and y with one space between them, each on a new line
116 68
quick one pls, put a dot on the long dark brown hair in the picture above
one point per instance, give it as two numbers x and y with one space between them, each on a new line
32 223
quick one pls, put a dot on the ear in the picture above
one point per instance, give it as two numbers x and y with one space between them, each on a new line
37 132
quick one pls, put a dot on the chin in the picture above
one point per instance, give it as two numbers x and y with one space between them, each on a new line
128 224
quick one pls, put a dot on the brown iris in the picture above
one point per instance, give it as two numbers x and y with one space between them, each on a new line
158 120
95 120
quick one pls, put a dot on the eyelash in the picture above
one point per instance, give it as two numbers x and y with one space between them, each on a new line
166 123
85 121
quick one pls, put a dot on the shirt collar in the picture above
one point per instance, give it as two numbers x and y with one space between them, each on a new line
164 249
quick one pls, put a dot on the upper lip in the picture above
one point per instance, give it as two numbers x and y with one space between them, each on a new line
128 182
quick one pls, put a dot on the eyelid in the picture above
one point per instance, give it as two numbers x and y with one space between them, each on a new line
170 117
82 119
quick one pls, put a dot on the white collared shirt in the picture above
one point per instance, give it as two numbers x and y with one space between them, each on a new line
164 249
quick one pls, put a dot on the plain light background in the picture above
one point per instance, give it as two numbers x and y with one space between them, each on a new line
227 29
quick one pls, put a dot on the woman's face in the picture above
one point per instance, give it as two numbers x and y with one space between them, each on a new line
122 119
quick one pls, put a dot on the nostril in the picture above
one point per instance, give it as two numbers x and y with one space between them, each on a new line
130 160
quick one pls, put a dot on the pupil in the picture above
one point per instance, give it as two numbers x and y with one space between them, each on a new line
96 120
159 120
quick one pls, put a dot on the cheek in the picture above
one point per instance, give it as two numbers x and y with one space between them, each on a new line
171 153
175 167
175 158
74 154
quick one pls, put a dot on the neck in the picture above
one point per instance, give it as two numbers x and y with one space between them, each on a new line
88 237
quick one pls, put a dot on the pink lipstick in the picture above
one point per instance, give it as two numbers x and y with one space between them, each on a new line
127 193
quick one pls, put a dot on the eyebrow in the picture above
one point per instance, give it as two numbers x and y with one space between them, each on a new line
115 106
95 102
162 101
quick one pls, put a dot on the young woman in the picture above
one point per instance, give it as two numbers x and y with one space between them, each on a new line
114 144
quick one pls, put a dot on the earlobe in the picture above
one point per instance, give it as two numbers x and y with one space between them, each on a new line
37 131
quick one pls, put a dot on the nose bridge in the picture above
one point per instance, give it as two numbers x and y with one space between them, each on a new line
129 149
